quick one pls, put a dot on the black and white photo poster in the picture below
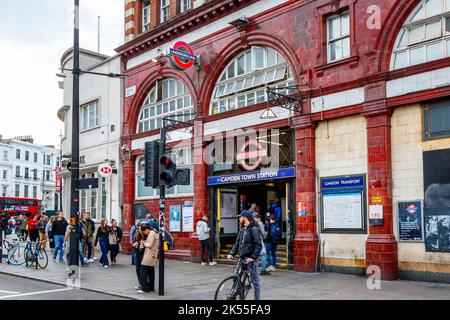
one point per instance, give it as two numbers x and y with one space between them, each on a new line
437 200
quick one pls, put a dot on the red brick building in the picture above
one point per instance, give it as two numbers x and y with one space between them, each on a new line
371 78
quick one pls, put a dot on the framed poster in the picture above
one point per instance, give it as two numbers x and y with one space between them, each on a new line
188 218
175 218
343 204
228 203
410 221
436 175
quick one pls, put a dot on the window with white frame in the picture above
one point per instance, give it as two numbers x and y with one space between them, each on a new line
91 200
165 10
17 190
183 159
27 155
5 191
425 36
146 16
35 157
89 115
168 97
5 155
244 80
185 5
34 192
5 174
338 37
25 191
104 198
17 153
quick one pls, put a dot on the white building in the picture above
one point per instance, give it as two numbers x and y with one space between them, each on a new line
27 170
100 121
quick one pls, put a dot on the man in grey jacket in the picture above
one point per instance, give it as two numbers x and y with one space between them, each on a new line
203 235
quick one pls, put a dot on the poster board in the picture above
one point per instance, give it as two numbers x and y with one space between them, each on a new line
228 203
343 204
410 221
188 218
175 218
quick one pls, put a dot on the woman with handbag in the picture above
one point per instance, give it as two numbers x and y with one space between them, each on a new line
104 237
116 233
150 256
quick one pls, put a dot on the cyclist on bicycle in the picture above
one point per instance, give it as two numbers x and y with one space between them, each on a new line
248 246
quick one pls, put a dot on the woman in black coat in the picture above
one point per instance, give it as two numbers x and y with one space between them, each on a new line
117 233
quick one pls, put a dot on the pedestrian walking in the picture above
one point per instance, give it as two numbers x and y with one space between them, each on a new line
23 227
248 247
273 238
203 235
48 232
59 227
88 242
69 229
116 233
150 258
133 232
137 244
263 253
42 225
102 237
32 229
11 225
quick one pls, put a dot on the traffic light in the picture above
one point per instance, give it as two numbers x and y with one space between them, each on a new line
151 167
170 175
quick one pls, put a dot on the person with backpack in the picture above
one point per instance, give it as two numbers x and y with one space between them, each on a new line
272 240
275 209
248 246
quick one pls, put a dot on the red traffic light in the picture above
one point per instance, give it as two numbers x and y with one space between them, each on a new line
166 162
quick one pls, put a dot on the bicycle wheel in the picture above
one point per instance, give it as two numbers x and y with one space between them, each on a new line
229 289
42 259
247 287
16 255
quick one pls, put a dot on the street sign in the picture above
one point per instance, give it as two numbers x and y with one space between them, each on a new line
182 56
90 183
105 170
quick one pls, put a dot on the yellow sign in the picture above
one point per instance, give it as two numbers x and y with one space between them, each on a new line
376 199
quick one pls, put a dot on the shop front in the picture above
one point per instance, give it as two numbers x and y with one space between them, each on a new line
261 177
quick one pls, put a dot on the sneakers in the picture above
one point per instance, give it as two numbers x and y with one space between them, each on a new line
271 268
203 264
54 259
105 266
61 261
90 260
212 263
140 291
264 273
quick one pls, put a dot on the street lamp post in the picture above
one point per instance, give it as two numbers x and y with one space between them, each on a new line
74 205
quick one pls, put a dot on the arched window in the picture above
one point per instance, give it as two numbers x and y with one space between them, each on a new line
167 97
243 81
425 36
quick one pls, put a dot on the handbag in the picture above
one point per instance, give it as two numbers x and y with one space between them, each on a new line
112 238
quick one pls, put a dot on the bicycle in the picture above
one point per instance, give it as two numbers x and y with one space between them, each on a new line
16 252
237 286
34 254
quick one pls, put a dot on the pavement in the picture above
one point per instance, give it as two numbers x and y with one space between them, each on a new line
190 281
13 288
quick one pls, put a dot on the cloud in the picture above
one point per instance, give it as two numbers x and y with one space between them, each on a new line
34 34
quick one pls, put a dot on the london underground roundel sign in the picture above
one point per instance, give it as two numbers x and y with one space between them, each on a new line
105 170
182 56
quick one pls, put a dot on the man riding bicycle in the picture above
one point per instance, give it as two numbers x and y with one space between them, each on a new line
248 245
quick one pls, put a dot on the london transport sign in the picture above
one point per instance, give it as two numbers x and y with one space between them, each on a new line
182 56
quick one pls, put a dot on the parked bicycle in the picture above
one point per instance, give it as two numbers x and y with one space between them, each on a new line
35 255
15 248
237 286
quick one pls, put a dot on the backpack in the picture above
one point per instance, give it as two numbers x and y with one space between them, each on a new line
275 233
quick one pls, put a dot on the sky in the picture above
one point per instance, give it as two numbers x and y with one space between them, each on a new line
33 36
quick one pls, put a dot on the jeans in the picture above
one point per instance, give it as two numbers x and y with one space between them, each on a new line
59 241
271 249
206 246
133 256
138 261
263 263
148 278
104 244
114 252
88 246
253 269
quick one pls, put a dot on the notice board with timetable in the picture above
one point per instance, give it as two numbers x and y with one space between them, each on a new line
343 204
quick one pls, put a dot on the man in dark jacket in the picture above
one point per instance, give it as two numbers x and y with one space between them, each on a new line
248 246
59 231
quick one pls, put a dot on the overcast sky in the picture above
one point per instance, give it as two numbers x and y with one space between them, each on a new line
33 36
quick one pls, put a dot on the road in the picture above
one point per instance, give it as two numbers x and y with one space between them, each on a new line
15 288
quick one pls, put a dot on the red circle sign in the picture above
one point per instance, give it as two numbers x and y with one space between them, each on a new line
105 170
181 47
